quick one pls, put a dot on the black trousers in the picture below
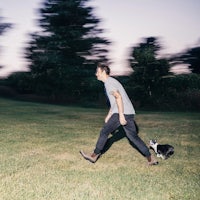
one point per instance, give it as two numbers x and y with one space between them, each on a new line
130 130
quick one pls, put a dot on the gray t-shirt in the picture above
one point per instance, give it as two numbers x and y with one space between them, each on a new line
111 85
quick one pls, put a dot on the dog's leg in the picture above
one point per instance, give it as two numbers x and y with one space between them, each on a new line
163 157
158 155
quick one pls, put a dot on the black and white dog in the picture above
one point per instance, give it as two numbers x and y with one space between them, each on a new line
162 150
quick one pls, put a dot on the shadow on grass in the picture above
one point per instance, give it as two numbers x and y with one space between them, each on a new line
116 136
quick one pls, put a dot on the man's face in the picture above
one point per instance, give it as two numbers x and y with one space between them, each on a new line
99 74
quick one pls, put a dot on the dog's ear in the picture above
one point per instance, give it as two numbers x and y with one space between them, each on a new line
151 142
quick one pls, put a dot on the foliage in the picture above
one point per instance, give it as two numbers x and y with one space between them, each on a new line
64 54
181 92
4 27
183 82
149 70
193 59
20 81
152 86
190 57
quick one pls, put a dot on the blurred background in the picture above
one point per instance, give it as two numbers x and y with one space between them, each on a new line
49 50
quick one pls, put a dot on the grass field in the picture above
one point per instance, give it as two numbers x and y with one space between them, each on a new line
40 160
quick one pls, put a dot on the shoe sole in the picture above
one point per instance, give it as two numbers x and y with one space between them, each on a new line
85 157
154 163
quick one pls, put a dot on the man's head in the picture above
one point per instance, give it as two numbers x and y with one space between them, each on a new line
102 72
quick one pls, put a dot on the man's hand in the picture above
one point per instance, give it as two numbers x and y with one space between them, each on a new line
122 120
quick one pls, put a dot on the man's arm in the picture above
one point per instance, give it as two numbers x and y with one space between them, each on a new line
120 106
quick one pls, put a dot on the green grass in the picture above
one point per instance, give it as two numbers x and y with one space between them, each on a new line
40 160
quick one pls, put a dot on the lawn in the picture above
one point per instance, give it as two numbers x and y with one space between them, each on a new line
40 158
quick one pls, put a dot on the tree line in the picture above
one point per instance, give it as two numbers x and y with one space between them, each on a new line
63 56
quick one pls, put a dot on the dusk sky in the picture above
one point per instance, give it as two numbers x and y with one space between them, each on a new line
175 22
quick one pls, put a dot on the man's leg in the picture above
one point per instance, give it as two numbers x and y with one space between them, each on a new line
132 135
112 124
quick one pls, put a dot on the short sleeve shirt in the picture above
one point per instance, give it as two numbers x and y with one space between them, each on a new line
111 84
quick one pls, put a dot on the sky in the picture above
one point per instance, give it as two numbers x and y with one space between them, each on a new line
175 22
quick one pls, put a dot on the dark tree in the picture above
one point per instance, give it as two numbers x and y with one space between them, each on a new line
148 69
4 27
64 54
191 57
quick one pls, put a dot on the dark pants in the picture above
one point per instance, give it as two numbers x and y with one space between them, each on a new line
130 130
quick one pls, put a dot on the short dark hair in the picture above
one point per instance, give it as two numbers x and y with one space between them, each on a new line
104 67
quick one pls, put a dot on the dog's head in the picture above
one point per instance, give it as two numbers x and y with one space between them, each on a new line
153 142
153 145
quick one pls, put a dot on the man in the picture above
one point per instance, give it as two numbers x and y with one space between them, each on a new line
121 113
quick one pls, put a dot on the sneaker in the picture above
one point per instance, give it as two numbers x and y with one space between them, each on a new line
92 158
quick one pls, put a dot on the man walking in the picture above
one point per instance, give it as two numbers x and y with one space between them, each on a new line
121 113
